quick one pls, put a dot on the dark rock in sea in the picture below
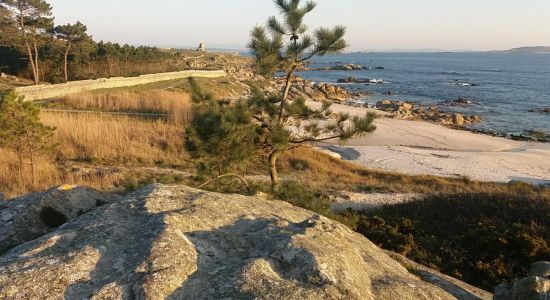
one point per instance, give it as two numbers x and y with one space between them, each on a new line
542 110
379 68
350 79
346 67
538 135
461 102
353 79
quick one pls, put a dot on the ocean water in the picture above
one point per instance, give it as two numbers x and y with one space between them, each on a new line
504 86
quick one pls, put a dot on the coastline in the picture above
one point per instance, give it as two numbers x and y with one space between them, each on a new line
424 148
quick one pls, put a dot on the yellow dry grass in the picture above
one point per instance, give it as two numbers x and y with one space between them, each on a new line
91 137
177 105
96 139
47 174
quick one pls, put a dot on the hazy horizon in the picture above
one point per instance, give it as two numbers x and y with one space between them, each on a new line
372 25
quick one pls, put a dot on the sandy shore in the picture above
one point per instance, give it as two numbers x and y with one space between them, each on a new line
418 147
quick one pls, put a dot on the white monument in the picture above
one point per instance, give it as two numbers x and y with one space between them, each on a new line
201 48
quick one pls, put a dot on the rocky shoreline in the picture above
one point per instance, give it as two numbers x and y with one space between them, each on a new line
403 110
414 111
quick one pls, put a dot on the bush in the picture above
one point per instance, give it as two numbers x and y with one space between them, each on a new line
483 239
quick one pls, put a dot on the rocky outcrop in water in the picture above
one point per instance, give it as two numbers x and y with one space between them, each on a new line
353 79
302 88
175 242
346 67
542 110
411 111
460 102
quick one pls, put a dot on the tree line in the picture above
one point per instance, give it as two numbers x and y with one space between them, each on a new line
32 46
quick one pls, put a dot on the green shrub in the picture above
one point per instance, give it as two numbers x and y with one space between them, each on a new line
483 239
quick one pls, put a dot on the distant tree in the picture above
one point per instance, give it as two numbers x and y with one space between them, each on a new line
22 132
74 35
286 125
110 53
126 51
27 23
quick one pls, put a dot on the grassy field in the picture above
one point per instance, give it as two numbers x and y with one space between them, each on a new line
97 139
176 105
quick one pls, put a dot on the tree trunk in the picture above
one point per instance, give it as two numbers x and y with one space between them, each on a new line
21 166
227 175
110 63
31 61
31 156
66 58
37 79
288 84
273 172
29 50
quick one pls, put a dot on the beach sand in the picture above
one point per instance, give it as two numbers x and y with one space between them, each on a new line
419 147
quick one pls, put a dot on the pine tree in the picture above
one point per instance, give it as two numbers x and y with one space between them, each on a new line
289 125
22 132
73 35
27 23
221 139
232 134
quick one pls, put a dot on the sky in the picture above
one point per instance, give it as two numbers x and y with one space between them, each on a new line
372 24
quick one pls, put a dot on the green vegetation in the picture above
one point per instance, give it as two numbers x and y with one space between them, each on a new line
222 136
76 39
481 233
482 239
231 134
22 131
32 47
25 26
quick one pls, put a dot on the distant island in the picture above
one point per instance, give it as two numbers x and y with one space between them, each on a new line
536 49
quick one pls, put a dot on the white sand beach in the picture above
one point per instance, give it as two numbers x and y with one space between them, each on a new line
418 147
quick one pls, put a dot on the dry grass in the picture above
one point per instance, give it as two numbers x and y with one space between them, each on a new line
91 137
48 174
322 171
176 105
95 139
219 88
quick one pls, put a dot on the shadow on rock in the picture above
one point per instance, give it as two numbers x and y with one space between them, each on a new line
229 258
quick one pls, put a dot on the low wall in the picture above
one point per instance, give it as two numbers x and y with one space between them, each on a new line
41 92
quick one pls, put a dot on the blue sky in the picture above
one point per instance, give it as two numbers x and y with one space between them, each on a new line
372 25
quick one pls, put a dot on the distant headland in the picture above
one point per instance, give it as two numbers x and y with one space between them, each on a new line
535 49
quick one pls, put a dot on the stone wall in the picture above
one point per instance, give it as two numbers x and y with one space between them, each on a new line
41 92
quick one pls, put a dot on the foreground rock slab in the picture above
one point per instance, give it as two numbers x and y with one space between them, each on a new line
27 218
175 242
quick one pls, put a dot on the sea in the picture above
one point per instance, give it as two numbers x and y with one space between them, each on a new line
504 87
